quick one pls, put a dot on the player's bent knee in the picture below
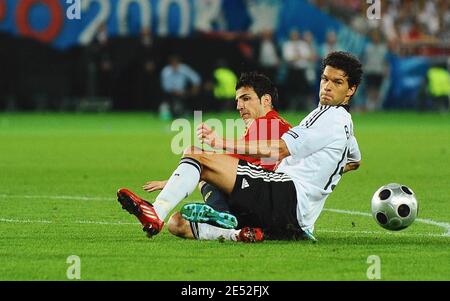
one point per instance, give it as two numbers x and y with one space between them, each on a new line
196 154
174 224
178 226
192 150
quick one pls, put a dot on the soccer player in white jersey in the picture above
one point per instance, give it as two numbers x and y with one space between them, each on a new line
286 203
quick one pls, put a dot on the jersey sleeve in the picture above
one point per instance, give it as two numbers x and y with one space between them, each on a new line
354 154
303 140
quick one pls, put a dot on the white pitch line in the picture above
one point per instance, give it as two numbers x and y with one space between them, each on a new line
119 223
403 234
104 223
444 225
347 212
24 221
28 221
57 197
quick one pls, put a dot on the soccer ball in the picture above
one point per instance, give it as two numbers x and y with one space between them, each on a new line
394 206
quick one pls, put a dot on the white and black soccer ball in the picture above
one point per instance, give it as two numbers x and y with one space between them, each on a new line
394 206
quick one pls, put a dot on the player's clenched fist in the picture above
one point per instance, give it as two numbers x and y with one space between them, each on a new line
206 135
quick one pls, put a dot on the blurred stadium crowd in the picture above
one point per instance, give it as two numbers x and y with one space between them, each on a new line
410 27
174 76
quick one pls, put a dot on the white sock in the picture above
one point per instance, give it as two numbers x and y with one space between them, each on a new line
182 183
203 231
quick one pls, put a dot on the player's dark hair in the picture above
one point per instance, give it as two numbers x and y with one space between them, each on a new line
260 83
346 62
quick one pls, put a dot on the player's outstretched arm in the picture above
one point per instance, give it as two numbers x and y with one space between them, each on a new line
276 149
154 185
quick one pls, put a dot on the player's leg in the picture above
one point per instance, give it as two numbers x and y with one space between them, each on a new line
215 198
219 170
191 230
215 211
179 226
216 169
203 213
182 228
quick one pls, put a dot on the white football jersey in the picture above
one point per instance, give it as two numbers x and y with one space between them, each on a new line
319 148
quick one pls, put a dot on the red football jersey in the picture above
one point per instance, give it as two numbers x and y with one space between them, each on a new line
269 127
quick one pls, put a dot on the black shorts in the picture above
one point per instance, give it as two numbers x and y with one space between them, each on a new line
265 199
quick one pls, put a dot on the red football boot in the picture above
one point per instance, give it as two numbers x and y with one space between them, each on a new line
248 234
142 209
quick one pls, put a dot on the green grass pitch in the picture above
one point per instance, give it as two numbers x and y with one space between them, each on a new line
59 174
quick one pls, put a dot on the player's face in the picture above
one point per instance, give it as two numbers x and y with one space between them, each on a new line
248 103
334 88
